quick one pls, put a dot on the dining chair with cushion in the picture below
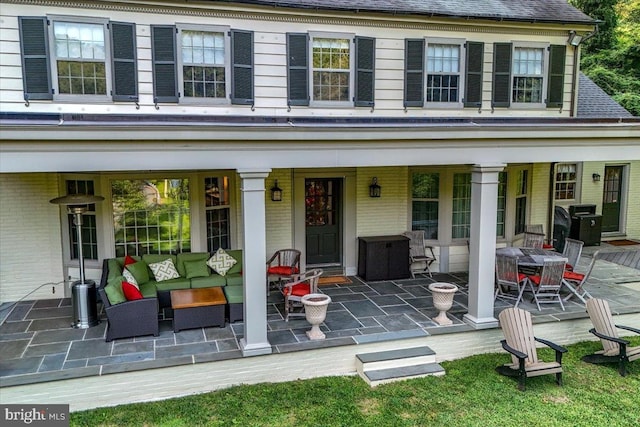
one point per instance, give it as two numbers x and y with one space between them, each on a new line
282 266
546 285
533 240
539 229
572 251
615 349
293 291
575 280
521 344
509 278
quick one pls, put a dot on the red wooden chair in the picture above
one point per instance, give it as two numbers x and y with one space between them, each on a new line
282 266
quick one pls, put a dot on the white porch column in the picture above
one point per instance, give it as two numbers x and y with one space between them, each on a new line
482 245
254 248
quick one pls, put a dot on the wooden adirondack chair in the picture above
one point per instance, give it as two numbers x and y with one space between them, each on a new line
520 342
615 349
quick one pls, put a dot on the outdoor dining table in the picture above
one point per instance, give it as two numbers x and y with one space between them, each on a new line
533 259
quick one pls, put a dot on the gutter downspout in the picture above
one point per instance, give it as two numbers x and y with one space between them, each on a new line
576 68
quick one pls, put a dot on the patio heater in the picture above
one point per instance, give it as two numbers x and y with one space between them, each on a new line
83 291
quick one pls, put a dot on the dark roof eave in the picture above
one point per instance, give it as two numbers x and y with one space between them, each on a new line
294 5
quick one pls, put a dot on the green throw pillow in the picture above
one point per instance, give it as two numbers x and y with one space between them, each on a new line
139 271
196 268
114 293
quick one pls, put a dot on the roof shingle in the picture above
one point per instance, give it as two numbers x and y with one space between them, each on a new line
508 10
593 102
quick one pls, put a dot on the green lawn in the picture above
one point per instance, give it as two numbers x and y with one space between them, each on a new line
470 394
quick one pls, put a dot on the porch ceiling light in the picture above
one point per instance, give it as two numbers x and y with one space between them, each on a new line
276 193
374 188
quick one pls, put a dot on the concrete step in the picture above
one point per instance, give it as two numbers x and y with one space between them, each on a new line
382 376
395 358
394 365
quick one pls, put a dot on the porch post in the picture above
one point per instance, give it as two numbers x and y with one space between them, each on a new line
254 248
482 245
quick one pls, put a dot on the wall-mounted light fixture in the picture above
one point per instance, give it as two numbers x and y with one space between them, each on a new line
374 188
596 177
574 39
276 192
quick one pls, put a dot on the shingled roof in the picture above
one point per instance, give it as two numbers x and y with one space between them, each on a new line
504 10
593 102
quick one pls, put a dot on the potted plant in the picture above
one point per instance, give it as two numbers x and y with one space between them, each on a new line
443 300
315 310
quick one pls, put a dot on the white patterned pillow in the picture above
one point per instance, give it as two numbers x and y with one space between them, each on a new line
164 270
128 277
221 262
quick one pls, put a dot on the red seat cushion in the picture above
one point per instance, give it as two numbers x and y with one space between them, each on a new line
282 270
572 275
568 267
535 279
547 246
299 290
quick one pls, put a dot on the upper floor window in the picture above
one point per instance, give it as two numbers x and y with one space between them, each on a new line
566 181
528 66
72 58
202 64
326 69
528 74
443 72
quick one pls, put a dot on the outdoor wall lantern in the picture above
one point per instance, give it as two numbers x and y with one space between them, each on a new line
276 193
374 188
596 177
574 39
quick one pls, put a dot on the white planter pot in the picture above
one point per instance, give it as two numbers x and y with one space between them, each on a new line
315 310
443 300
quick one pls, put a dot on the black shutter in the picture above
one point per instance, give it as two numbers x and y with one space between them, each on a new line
34 47
414 72
242 67
365 71
125 70
163 58
297 69
501 75
555 84
473 79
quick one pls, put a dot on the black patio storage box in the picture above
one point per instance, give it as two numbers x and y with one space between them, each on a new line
586 225
383 257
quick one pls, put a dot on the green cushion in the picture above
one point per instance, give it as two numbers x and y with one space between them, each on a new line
140 271
148 290
234 279
197 268
208 282
189 256
234 294
114 292
171 284
114 267
237 255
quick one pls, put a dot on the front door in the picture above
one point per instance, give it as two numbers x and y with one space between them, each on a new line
612 198
322 221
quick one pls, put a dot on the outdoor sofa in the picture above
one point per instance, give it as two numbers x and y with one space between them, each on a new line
130 318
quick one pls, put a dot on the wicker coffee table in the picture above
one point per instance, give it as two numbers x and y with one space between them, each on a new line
198 308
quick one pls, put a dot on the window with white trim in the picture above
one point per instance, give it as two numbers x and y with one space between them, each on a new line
522 192
461 211
217 212
89 226
425 194
444 80
502 204
204 64
566 181
331 64
528 75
